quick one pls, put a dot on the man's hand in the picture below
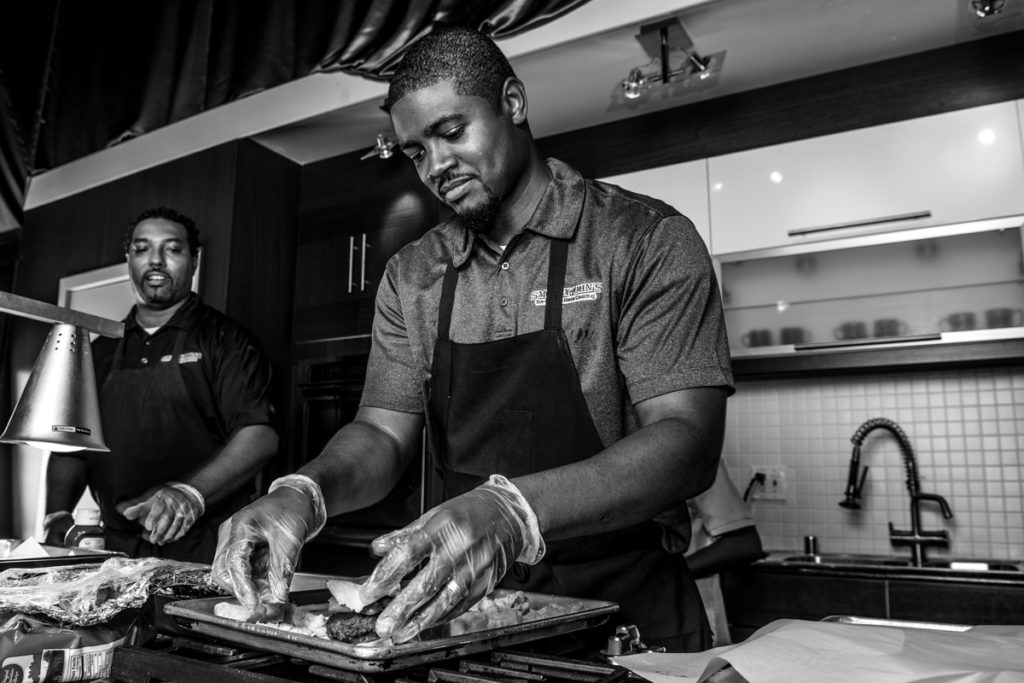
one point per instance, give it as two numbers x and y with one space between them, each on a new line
166 513
470 542
258 547
56 525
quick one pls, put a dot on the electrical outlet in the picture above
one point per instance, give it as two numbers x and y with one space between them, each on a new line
775 482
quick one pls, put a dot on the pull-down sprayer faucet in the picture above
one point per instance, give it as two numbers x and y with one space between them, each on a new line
915 538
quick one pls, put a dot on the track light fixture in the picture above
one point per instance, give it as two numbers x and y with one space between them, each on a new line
384 148
673 59
986 8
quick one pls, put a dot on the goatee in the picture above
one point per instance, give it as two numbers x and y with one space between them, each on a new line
480 218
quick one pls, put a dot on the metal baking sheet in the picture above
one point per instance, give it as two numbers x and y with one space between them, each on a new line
575 614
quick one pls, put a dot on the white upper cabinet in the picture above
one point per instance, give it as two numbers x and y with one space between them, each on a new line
937 170
682 186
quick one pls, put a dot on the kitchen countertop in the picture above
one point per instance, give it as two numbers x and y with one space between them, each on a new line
890 567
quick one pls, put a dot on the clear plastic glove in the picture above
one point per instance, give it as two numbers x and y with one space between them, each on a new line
166 513
258 547
56 526
469 543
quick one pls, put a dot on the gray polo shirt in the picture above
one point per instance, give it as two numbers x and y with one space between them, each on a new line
641 306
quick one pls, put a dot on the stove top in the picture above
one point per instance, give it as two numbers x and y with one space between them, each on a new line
188 660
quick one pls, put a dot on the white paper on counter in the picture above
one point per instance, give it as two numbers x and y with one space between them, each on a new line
28 549
826 652
670 667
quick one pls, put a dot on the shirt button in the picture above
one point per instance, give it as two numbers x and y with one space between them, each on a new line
503 301
145 361
504 265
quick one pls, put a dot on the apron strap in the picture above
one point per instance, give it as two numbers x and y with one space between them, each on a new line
444 313
557 257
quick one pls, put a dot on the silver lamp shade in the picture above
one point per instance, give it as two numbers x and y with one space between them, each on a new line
59 409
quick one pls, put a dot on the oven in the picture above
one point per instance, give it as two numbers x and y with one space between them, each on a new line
173 658
328 394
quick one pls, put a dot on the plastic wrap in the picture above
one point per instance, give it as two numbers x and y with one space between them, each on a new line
88 594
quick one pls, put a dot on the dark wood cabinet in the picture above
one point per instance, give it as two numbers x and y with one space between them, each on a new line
755 598
957 602
763 593
347 232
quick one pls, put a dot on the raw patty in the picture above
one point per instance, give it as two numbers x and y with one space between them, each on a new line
350 627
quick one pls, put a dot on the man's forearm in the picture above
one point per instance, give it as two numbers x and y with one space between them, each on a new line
358 467
65 482
660 466
246 453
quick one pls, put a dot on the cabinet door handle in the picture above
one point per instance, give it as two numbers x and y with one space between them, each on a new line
362 265
351 257
916 215
867 341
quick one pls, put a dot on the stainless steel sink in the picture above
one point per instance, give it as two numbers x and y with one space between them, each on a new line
975 565
849 559
845 559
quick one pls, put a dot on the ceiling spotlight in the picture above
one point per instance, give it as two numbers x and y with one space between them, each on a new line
986 8
673 59
633 85
701 66
384 148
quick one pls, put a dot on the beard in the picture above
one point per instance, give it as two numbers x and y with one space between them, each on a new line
480 217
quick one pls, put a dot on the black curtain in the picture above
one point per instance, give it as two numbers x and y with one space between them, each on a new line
106 83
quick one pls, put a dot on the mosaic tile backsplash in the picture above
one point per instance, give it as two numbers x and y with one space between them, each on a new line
966 428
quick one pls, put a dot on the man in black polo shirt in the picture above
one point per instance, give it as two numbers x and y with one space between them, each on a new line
185 402
563 340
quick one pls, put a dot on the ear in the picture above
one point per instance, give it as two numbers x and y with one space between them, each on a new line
514 100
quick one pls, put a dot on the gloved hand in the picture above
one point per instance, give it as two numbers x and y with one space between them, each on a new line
56 526
258 547
166 512
470 542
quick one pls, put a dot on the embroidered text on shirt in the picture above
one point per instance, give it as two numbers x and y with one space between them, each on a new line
190 357
585 291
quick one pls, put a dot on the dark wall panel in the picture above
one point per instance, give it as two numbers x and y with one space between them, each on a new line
85 230
262 259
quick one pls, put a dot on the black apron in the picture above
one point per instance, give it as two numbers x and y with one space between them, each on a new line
515 406
156 434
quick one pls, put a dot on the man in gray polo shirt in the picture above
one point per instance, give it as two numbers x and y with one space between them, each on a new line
561 425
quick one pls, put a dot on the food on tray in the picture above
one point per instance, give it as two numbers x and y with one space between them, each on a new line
287 617
491 612
336 620
345 597
351 627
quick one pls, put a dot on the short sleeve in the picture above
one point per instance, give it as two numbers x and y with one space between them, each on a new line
721 509
241 379
671 333
394 378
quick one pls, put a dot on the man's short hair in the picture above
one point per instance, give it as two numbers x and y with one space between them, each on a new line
168 214
463 55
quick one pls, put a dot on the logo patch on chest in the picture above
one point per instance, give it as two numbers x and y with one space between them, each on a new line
190 357
585 291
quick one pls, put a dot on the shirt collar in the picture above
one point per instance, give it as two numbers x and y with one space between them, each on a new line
557 215
184 318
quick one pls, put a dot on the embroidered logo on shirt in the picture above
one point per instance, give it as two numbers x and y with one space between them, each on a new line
190 357
585 291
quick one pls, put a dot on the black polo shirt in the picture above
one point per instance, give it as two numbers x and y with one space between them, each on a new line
222 365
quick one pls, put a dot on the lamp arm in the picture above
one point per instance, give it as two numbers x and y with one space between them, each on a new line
40 310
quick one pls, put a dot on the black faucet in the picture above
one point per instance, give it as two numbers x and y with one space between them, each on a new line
915 538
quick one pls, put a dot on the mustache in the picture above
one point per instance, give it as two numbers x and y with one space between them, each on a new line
447 179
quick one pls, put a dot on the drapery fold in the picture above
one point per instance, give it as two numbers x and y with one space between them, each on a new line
183 57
